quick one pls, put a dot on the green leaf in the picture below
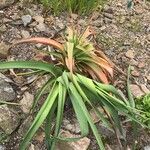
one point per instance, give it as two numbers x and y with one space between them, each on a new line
32 65
80 116
88 117
130 96
60 109
91 89
48 126
106 87
40 117
37 97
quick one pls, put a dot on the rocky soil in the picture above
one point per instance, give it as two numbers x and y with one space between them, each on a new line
122 34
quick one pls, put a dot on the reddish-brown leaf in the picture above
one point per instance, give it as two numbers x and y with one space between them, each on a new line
42 40
103 64
98 72
69 65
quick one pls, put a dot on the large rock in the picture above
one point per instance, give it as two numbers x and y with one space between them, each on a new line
9 119
6 91
5 3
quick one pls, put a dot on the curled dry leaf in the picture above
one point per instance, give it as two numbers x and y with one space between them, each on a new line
42 40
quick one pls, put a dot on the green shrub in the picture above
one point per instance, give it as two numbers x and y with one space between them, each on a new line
143 104
75 75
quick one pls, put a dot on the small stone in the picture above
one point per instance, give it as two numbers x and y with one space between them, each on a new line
6 91
67 125
109 16
130 54
25 34
26 102
136 91
81 144
26 19
107 20
135 73
39 19
139 10
82 22
41 81
39 46
141 65
32 147
74 16
30 11
40 136
61 25
126 43
4 49
6 20
134 62
74 127
3 28
40 27
108 10
6 3
144 89
97 23
9 119
107 133
147 147
94 116
2 147
122 19
3 77
103 28
148 29
25 126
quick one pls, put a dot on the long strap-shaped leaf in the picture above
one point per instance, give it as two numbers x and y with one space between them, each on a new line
122 108
79 99
80 116
42 114
60 110
89 83
31 65
42 40
92 89
48 126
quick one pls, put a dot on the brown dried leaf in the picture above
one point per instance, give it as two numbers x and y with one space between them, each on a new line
42 40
